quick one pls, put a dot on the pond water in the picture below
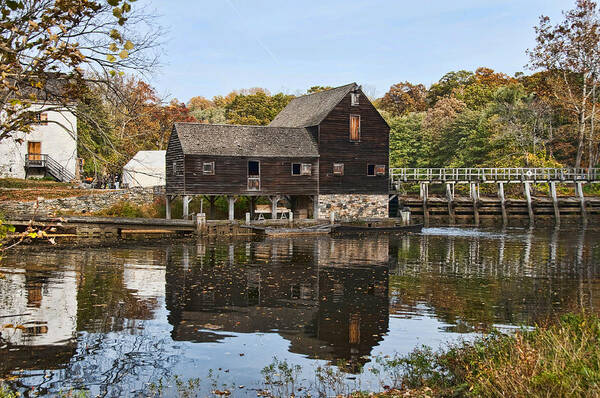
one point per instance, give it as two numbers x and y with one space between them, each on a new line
120 321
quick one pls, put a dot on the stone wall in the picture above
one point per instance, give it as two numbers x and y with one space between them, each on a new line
81 204
353 206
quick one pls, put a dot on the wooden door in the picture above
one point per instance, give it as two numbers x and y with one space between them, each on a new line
34 150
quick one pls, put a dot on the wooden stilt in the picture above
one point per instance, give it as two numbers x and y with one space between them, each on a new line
555 203
475 196
186 206
527 189
168 207
502 203
252 206
579 190
274 200
231 201
211 200
315 199
424 187
450 197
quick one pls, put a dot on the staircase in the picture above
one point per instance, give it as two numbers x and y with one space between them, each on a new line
49 165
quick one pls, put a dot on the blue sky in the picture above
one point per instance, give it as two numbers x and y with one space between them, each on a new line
213 47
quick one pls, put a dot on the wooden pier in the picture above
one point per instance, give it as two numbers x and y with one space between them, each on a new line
455 209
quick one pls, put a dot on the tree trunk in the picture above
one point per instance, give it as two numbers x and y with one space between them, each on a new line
580 138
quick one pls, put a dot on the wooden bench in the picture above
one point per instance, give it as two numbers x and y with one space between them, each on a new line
261 210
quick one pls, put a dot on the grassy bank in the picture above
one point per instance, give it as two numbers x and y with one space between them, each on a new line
561 359
558 360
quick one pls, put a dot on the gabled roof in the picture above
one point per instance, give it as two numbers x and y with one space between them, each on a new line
235 140
311 109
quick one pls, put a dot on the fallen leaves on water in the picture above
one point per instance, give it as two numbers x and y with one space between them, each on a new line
222 392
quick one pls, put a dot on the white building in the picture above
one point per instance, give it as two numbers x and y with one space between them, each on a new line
50 149
145 169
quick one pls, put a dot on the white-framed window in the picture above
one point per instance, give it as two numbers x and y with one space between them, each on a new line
354 99
355 128
370 169
301 169
338 169
208 168
375 170
306 169
41 118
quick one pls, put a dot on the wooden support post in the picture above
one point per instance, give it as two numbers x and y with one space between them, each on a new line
274 200
315 199
552 186
450 198
211 200
186 206
231 201
168 207
475 196
252 206
502 203
200 223
424 193
527 188
579 190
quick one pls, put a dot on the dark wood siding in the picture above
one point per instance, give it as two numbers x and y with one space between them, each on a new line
174 182
231 176
335 147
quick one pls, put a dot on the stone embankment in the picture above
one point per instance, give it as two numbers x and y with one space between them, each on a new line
80 204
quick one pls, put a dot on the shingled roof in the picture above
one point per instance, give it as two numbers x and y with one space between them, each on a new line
311 109
234 140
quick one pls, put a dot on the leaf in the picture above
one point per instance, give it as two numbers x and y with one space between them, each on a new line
113 3
124 54
111 58
113 47
114 34
128 45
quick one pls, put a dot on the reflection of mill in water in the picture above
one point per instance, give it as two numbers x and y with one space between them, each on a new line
302 290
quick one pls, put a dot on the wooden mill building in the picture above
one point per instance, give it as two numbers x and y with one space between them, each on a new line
324 152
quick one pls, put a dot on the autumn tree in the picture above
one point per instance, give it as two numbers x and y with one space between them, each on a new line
404 97
570 50
522 120
316 89
51 49
255 109
200 103
447 84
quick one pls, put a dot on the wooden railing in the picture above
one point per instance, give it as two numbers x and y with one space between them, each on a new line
482 175
40 160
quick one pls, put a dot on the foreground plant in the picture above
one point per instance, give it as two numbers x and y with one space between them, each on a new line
562 359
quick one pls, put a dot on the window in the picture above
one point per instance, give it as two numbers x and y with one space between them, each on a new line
253 175
338 169
370 169
375 170
296 169
304 169
208 168
41 118
354 99
174 168
253 168
354 128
